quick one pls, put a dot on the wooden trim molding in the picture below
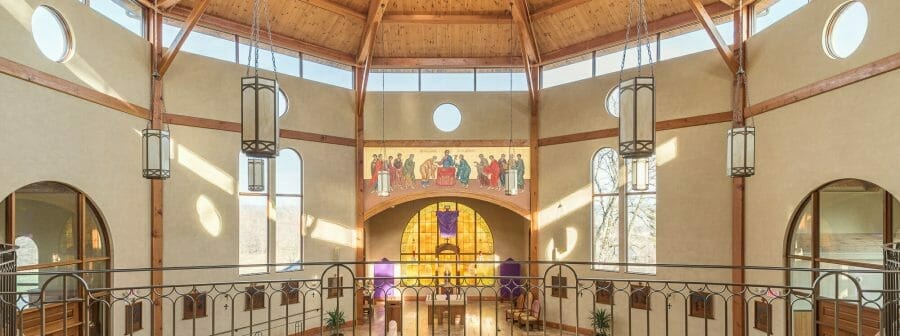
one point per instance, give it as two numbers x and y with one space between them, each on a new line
838 81
664 125
52 82
448 62
221 125
447 143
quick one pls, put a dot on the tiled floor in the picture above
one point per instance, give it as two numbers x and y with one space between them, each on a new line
480 319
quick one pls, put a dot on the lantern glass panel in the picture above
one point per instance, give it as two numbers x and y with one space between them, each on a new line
155 153
259 119
637 117
512 185
640 174
741 146
256 178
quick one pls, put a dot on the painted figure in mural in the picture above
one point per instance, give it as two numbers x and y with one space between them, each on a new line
447 161
504 165
373 168
409 172
389 166
397 172
428 170
379 166
493 171
520 166
481 166
463 171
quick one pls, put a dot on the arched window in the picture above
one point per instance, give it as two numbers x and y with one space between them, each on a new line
424 241
283 187
56 228
619 239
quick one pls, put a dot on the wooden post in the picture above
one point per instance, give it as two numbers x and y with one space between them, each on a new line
157 109
738 276
360 79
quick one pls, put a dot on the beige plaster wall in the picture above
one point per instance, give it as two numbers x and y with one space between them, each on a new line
485 115
204 87
686 86
106 58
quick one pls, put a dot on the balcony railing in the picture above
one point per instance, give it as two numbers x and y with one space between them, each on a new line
558 298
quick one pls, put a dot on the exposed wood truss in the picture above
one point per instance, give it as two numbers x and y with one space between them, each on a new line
278 40
736 3
556 8
336 8
367 42
615 38
479 62
447 19
182 36
522 19
710 27
166 4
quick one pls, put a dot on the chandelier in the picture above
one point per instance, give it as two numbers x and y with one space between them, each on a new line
259 94
637 94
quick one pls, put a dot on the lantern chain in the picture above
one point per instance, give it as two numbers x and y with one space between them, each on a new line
255 36
642 38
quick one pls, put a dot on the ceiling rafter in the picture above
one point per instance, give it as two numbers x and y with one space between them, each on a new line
710 27
447 19
166 4
446 62
337 8
367 41
522 20
169 56
736 3
279 40
556 8
615 38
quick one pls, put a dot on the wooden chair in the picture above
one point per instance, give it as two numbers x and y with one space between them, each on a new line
520 306
531 318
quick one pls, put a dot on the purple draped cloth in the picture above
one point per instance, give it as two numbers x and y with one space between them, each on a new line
383 286
510 284
447 223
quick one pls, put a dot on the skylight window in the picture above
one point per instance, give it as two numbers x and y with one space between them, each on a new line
127 13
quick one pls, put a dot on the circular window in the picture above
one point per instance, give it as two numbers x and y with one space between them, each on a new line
612 101
846 29
282 102
447 117
51 34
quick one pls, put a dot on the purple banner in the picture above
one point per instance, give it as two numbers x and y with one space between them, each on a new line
447 223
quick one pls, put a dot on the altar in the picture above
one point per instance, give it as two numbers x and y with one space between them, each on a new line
449 305
446 177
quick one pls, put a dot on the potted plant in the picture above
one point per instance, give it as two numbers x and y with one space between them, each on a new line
601 320
334 320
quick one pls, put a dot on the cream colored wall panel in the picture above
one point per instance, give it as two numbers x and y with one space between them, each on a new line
200 86
789 54
686 86
409 115
49 136
106 58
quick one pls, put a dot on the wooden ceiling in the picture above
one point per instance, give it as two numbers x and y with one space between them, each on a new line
466 33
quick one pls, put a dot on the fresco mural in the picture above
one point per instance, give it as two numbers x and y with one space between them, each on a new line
420 171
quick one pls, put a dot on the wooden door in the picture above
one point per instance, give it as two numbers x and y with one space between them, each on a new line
847 319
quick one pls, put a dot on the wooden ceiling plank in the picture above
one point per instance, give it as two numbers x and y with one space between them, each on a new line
367 41
522 19
710 27
446 62
279 40
166 4
657 26
446 19
189 23
337 9
556 8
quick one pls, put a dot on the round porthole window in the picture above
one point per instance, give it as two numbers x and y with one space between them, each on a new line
846 29
612 101
447 117
282 103
51 34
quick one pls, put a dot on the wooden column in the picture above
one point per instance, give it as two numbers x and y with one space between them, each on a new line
157 109
738 276
360 78
533 137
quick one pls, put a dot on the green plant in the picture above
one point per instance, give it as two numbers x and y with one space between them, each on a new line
334 320
601 320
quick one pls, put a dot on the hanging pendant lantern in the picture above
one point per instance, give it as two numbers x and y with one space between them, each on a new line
512 182
259 94
256 174
259 116
384 183
640 174
155 151
637 118
741 151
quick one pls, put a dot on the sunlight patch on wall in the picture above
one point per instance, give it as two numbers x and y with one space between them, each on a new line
553 252
204 169
330 232
667 151
20 11
574 201
209 216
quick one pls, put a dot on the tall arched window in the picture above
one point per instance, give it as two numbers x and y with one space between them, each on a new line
56 228
619 239
423 241
283 188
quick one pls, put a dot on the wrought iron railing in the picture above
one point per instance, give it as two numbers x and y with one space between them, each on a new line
7 288
560 298
891 311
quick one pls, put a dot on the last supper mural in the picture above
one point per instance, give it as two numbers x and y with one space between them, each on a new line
416 172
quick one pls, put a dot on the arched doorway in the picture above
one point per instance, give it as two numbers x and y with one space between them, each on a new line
841 225
56 228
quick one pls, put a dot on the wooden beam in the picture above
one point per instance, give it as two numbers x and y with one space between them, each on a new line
616 38
741 23
166 4
182 36
34 76
881 66
556 8
534 151
522 19
337 9
736 3
230 126
434 62
706 21
447 19
448 143
373 20
279 40
157 109
361 77
663 125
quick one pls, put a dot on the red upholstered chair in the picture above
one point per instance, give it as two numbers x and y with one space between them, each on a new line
531 319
